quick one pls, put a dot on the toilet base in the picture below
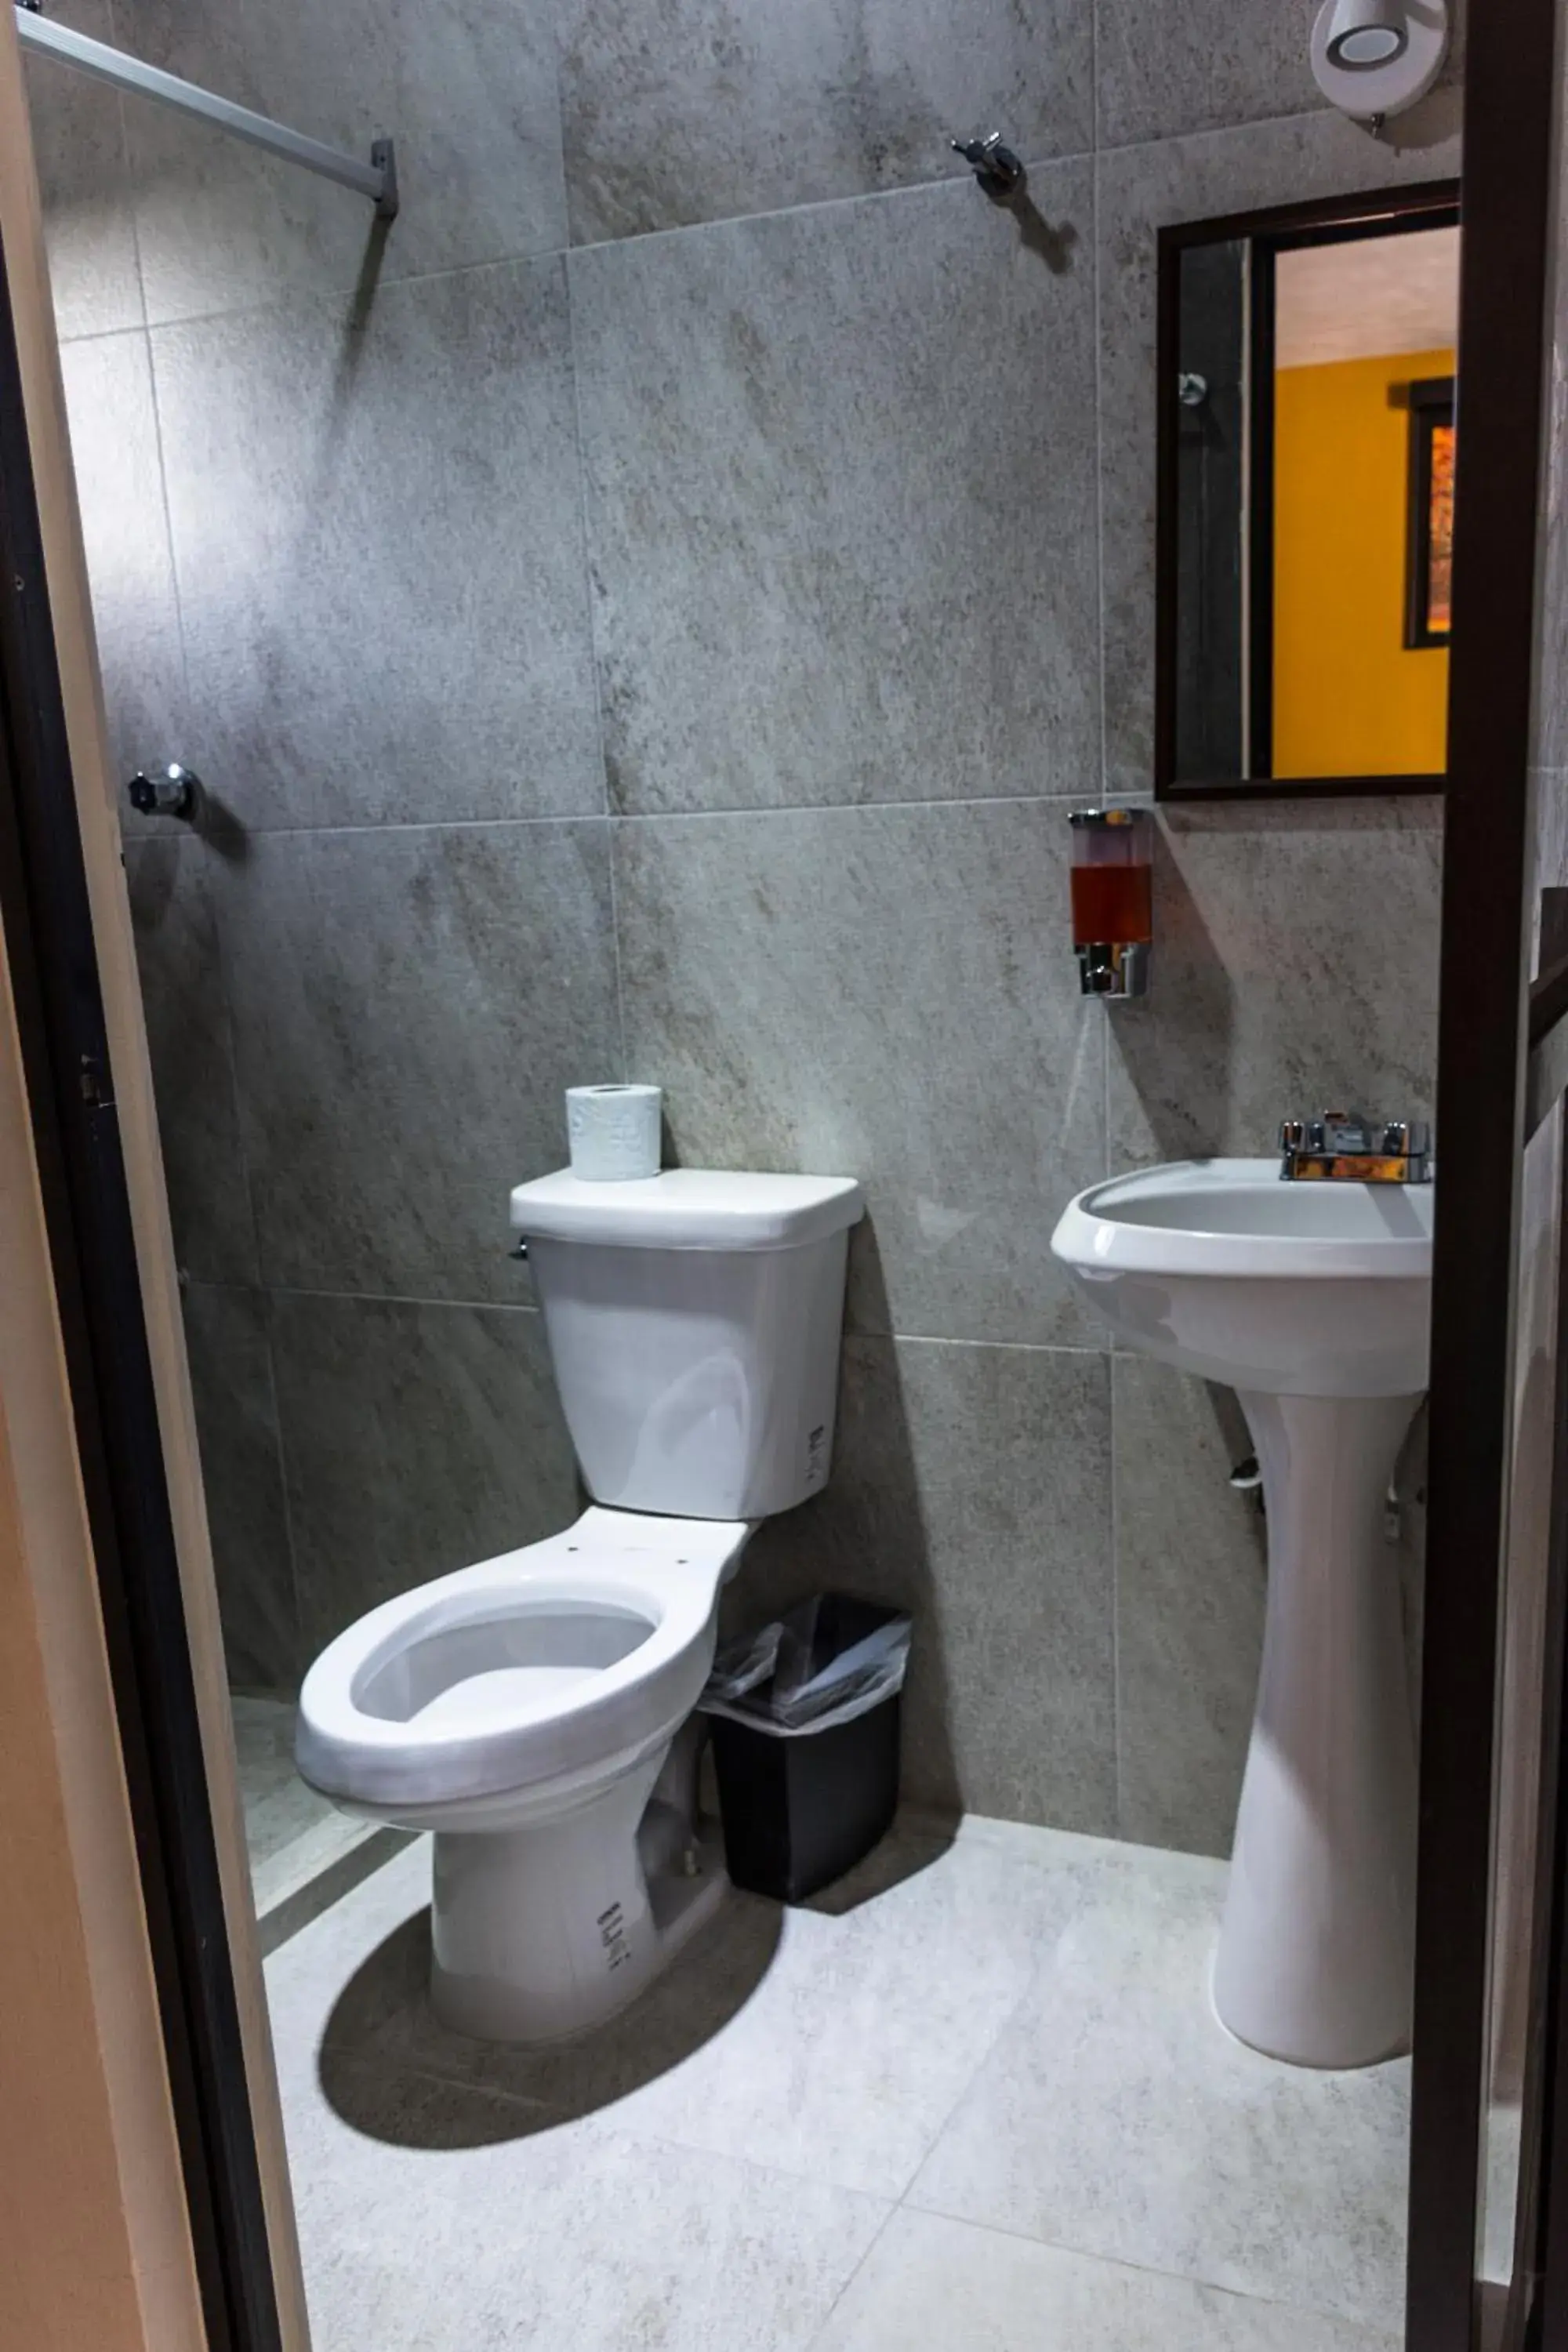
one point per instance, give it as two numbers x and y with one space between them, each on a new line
546 1931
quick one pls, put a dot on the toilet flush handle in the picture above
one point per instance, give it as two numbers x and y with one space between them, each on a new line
521 1249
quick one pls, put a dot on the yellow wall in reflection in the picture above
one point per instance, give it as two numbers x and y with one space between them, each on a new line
1350 697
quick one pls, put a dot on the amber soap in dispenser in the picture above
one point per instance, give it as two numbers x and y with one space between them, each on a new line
1112 900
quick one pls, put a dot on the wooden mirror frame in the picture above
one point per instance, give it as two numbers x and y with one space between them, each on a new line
1432 203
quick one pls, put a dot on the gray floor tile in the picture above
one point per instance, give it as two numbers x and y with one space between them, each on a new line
804 2038
913 961
944 2285
735 108
1110 2122
843 531
438 2217
1116 2118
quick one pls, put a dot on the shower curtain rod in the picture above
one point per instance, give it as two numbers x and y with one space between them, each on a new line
378 179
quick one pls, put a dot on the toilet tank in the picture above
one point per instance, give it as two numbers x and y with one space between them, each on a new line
694 1320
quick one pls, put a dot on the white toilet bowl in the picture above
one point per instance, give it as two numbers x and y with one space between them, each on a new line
524 1709
529 1710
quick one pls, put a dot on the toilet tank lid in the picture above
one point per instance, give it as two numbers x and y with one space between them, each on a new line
689 1208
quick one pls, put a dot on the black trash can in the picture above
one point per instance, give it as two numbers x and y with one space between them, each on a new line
804 1718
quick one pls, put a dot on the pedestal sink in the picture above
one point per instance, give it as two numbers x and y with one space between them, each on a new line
1312 1301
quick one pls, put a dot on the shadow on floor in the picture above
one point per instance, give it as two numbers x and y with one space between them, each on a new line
389 2068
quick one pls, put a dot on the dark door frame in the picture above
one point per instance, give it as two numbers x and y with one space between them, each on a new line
1510 75
52 960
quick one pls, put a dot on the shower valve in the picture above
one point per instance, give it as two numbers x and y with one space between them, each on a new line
998 169
169 791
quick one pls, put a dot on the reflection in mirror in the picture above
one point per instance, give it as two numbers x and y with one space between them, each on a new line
1307 447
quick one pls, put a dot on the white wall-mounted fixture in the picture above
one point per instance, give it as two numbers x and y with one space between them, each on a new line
1374 57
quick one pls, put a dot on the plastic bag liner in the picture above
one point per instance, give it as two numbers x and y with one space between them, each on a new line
823 1663
806 1743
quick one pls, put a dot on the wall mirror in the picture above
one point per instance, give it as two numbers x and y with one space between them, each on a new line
1307 368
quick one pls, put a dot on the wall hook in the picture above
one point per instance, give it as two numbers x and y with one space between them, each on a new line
995 165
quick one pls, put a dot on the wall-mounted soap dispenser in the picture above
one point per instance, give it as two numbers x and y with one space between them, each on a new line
1112 900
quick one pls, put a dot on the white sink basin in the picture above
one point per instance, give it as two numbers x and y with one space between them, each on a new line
1302 1290
1312 1300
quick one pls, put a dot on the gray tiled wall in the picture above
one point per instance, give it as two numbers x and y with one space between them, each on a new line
648 613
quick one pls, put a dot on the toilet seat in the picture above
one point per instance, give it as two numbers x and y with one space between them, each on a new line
557 1665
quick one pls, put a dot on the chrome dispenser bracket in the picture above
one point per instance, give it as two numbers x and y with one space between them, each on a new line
1113 968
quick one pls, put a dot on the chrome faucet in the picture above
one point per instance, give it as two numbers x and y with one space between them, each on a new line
1344 1147
995 165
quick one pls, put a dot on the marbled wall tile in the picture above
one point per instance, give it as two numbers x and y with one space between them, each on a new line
1141 190
468 92
886 993
841 501
1295 965
184 1001
972 1486
378 539
719 108
119 489
1191 1578
1214 65
1210 64
227 1341
418 1439
79 143
408 1006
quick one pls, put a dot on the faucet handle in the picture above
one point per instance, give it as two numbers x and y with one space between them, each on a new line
1343 1130
1348 1146
995 166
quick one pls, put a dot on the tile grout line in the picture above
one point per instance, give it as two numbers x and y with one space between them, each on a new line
1371 808
602 2118
591 610
305 291
1371 2337
511 1306
819 2334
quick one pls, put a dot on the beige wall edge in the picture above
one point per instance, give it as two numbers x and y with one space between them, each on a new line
43 1540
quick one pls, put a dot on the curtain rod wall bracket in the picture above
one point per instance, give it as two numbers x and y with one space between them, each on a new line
378 179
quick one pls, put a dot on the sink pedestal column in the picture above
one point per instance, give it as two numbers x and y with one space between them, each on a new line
1316 1953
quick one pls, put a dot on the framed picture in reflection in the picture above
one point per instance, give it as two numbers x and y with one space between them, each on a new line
1430 565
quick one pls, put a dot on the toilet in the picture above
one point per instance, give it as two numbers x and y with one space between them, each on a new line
536 1711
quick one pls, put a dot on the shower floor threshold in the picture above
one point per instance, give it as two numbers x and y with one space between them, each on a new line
296 1884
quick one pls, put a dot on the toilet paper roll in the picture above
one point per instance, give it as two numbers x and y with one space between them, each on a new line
614 1132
